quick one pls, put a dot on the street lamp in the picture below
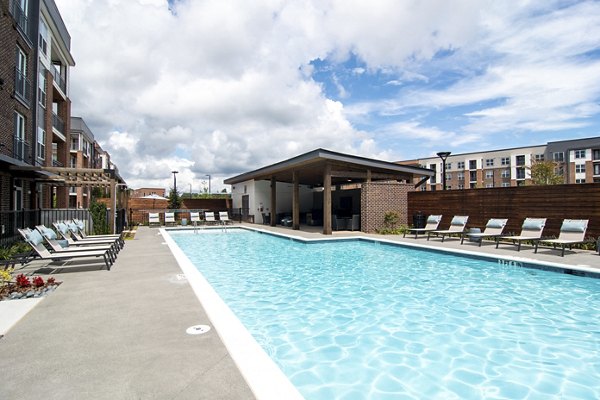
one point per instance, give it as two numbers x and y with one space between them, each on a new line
443 155
175 180
208 183
190 190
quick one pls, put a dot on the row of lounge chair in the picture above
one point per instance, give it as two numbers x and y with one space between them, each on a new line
572 231
209 218
68 240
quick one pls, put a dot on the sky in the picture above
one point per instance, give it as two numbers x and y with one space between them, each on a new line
221 87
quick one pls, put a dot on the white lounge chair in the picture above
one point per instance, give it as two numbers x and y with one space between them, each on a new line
457 226
69 233
531 230
170 218
224 217
194 217
153 219
433 222
209 217
35 240
52 239
493 228
572 231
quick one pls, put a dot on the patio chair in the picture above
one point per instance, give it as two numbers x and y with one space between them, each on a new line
209 217
572 231
457 226
170 219
81 234
338 224
433 222
68 232
63 246
35 240
354 223
153 219
194 217
493 228
531 230
224 218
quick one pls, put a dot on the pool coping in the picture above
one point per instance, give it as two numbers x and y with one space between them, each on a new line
262 374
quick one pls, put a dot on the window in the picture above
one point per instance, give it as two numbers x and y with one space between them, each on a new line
560 170
558 157
505 184
449 165
505 161
539 157
460 165
579 180
461 176
596 169
42 89
506 173
580 168
489 162
473 185
19 135
520 160
75 143
473 176
21 75
520 173
461 186
41 144
596 154
579 153
43 38
473 164
489 185
448 177
432 166
489 174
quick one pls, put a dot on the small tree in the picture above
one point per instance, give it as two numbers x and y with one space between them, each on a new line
174 199
544 173
98 212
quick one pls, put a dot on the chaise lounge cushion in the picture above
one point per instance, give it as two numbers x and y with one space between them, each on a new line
496 223
35 237
573 226
533 224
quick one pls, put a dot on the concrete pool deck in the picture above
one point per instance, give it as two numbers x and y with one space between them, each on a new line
122 334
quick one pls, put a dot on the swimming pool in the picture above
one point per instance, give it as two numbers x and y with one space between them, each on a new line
353 319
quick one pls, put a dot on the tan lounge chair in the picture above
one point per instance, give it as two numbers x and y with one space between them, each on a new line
433 222
531 230
224 218
493 228
170 218
572 231
57 247
69 233
194 217
153 219
209 217
457 226
81 225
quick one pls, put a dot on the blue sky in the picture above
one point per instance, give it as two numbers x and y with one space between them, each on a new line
224 86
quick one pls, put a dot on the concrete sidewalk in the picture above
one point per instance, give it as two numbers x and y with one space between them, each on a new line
118 334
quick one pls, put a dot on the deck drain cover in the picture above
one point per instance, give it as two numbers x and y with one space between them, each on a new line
197 329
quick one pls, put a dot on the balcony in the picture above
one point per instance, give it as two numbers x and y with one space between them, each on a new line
59 80
20 18
58 123
22 87
56 163
21 150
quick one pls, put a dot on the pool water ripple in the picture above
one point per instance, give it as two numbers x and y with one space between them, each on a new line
353 320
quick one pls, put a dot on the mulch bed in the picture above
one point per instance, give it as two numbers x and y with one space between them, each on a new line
27 291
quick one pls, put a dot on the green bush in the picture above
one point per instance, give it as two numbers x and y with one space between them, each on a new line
98 212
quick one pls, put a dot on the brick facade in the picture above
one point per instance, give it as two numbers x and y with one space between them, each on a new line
378 198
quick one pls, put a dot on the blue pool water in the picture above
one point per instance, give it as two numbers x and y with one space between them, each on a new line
360 320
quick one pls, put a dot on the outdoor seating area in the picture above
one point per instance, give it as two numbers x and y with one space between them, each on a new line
572 232
195 218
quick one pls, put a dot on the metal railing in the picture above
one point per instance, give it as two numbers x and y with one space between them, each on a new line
22 86
21 150
20 18
58 123
60 81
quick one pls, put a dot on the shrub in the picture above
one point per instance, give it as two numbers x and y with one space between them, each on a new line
38 281
5 275
23 281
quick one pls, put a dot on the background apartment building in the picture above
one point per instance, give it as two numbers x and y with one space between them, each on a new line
578 161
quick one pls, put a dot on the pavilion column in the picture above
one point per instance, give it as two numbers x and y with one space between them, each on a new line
296 201
113 198
273 200
327 200
368 175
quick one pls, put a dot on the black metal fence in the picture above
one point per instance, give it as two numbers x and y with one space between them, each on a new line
10 221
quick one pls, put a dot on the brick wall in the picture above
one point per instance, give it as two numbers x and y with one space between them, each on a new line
378 198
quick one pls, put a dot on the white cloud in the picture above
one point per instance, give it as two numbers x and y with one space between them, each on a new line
221 86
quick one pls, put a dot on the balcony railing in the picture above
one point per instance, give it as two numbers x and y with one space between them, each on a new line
22 86
56 163
21 150
58 123
60 81
20 18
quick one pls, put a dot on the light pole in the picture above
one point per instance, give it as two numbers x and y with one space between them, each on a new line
175 180
208 183
443 155
190 190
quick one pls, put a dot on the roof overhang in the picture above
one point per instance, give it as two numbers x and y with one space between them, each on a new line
345 168
59 176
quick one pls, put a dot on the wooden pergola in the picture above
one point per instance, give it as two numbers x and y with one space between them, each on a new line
324 168
74 177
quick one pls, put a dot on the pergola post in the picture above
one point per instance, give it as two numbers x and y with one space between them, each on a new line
112 213
273 200
327 200
296 201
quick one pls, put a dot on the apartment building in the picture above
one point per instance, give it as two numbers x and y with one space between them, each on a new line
577 160
34 105
81 157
